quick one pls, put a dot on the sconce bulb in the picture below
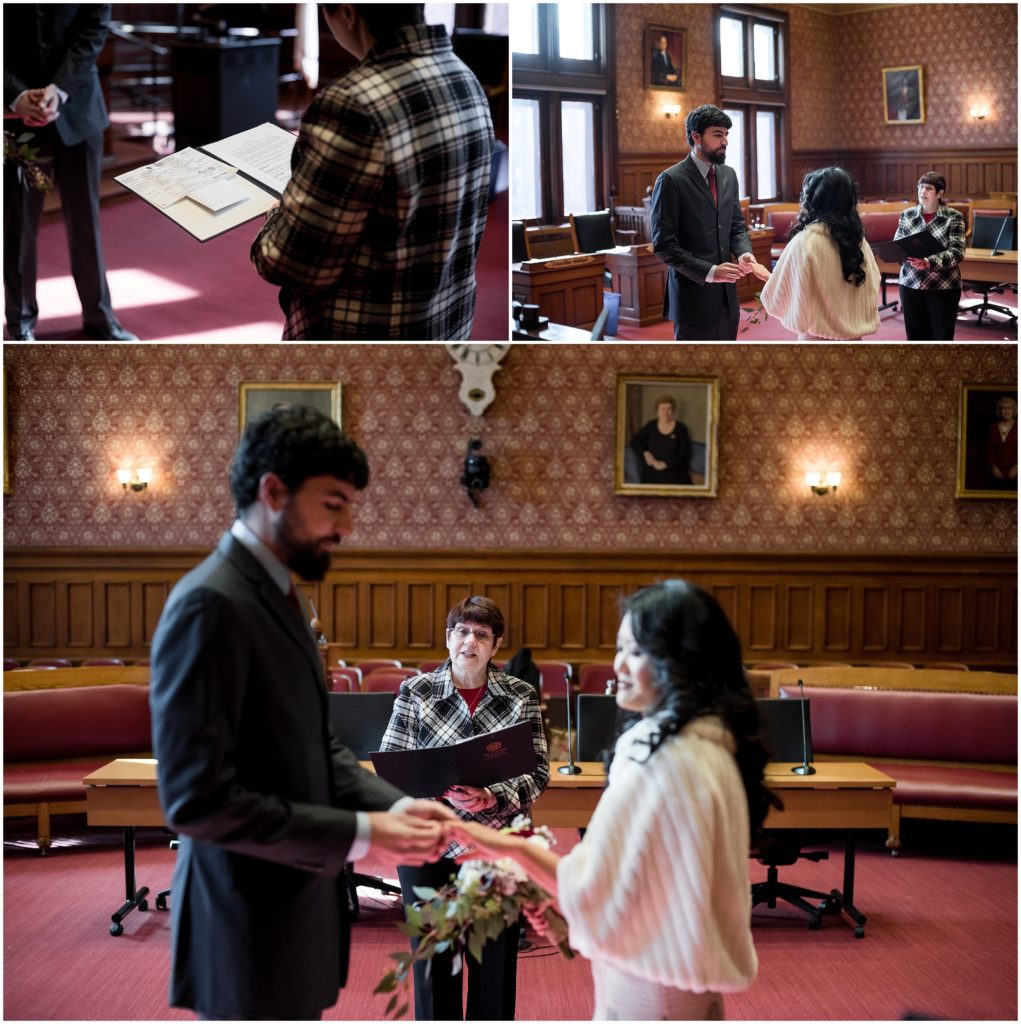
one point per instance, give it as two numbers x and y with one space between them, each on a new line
145 474
833 480
812 479
124 477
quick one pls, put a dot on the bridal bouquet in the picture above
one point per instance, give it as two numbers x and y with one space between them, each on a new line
27 161
478 903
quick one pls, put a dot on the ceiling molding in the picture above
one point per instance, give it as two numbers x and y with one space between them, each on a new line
841 9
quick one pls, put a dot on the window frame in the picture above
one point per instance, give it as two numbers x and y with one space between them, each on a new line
752 95
551 79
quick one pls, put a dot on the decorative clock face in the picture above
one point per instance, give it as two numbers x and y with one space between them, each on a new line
476 365
477 355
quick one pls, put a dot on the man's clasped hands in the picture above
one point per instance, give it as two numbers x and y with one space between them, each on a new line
38 107
746 264
420 831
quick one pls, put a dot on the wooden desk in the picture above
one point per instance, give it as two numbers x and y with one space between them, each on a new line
640 277
567 289
123 793
978 265
845 796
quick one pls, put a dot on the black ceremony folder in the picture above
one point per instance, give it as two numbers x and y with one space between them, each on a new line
919 244
479 761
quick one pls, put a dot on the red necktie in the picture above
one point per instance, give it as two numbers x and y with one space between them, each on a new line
292 600
712 184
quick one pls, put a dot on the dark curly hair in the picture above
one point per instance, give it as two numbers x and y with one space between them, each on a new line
705 116
295 442
829 196
696 656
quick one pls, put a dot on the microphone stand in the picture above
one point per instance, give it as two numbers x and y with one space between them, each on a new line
570 768
804 768
995 251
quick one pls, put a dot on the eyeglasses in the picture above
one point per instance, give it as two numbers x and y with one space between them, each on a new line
463 632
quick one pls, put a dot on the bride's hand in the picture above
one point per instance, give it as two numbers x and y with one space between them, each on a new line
761 272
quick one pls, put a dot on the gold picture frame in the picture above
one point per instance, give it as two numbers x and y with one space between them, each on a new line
257 397
673 74
7 437
696 401
904 94
983 445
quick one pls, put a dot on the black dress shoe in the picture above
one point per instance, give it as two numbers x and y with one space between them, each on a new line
109 332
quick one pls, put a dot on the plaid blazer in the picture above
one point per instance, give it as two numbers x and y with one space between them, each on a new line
379 228
948 228
429 712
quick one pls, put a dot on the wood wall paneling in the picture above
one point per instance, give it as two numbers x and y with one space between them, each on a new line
561 605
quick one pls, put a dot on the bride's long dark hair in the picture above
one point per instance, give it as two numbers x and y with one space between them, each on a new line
697 660
830 197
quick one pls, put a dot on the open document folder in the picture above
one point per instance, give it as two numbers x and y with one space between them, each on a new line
211 189
478 761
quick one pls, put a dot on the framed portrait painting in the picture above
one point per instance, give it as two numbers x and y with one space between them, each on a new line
904 95
666 58
256 397
665 442
987 441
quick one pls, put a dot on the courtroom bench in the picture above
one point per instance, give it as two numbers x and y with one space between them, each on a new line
53 737
953 754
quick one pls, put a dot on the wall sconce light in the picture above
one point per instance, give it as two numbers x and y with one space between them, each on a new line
979 112
671 110
476 472
814 481
135 480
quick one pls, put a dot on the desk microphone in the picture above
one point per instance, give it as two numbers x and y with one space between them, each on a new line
570 768
804 768
995 251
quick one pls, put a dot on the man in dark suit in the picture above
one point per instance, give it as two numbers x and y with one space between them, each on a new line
268 805
51 84
697 225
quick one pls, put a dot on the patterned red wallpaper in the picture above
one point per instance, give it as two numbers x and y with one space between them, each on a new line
968 53
884 415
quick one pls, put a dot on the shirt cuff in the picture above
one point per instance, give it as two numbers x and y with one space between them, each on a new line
363 829
14 106
711 276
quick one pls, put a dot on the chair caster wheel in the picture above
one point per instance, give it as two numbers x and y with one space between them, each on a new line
161 903
116 929
814 923
859 932
143 904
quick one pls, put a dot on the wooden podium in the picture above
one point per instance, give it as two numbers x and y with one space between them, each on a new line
567 289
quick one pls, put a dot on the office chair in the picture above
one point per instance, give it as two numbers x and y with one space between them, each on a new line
992 229
595 677
387 679
370 664
596 725
781 728
359 721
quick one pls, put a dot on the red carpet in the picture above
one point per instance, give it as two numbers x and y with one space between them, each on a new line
941 940
168 287
891 325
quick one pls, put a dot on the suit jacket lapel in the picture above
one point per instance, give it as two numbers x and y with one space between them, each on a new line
700 183
273 601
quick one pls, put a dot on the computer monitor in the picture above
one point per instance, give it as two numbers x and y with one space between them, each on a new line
360 719
987 230
596 725
781 728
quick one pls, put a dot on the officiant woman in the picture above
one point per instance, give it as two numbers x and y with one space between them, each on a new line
930 286
656 894
469 696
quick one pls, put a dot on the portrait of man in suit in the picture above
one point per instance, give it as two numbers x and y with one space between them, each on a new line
666 58
699 232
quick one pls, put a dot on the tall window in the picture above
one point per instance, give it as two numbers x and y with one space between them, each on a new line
753 83
558 158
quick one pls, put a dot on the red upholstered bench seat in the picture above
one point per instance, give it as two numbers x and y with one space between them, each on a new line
55 737
48 781
954 786
951 738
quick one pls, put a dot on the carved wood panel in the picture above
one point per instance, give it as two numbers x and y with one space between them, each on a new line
564 606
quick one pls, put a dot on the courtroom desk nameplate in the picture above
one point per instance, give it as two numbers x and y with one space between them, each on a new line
557 263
